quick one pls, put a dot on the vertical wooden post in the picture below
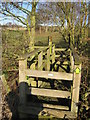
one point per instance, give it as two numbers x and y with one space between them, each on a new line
31 80
48 59
50 43
76 87
71 61
23 86
40 63
53 55
40 60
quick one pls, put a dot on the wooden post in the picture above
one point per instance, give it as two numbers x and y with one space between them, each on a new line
48 59
71 61
40 60
50 43
40 63
75 89
23 85
31 80
53 55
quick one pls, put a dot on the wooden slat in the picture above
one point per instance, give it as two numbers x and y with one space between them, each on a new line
60 49
58 107
38 112
50 93
49 74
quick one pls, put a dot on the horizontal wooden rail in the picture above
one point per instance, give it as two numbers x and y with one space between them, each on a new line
50 93
49 74
44 105
36 111
61 49
40 47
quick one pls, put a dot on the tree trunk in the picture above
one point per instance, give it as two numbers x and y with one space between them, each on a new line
32 36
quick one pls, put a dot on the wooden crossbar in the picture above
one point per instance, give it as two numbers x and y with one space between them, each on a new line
49 74
38 110
50 93
44 105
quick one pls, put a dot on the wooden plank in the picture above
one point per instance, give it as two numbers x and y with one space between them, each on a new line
48 59
23 86
49 74
40 60
53 54
50 93
38 112
22 67
58 107
40 66
61 49
75 89
31 80
71 61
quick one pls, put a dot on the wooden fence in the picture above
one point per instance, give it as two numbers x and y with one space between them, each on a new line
40 63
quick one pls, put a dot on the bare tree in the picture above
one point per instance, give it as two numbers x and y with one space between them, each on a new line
12 9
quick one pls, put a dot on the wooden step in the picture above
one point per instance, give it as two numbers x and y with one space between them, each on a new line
37 111
49 74
50 93
44 105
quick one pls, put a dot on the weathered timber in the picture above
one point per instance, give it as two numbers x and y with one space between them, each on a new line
40 65
31 80
23 86
48 59
75 89
50 43
53 54
60 49
55 113
43 105
49 74
71 61
50 93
